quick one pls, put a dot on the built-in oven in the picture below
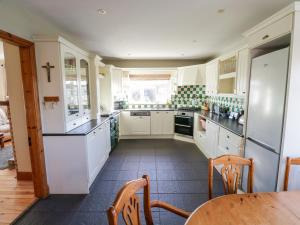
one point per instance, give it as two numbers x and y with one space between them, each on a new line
184 123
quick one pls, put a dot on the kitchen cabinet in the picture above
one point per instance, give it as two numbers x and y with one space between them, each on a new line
243 72
111 87
162 122
271 30
229 143
212 78
140 125
134 125
200 136
212 135
77 158
191 75
69 81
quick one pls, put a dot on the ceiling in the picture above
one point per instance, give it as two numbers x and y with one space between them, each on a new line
156 29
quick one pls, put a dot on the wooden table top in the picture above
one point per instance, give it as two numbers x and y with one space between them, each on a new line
281 208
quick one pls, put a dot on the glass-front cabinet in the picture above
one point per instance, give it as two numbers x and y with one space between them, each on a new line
71 85
85 86
76 88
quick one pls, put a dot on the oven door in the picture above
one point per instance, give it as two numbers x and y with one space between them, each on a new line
184 125
184 129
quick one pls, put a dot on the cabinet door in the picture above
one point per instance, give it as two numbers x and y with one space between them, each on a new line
168 122
243 71
212 134
125 126
85 86
71 85
107 137
117 76
156 122
190 76
140 125
212 78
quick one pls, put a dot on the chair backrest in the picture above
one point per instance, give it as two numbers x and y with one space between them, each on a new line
128 203
231 173
289 163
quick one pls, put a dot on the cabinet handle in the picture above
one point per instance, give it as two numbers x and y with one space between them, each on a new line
228 136
265 37
77 115
94 132
244 92
74 124
227 148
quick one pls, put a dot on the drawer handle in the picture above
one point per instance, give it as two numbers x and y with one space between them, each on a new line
265 37
94 132
228 136
244 92
74 124
227 148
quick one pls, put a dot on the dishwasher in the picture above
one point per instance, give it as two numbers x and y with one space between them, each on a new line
140 121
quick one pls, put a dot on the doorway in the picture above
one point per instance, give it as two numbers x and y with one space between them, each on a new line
24 174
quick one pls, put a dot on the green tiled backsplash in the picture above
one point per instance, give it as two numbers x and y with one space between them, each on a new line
194 96
189 96
234 104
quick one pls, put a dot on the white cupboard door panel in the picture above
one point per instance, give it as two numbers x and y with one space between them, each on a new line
271 32
168 122
243 72
125 126
212 77
212 134
156 122
140 125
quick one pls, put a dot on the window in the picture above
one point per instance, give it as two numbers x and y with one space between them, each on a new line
147 90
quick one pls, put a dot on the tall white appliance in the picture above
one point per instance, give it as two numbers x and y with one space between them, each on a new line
265 117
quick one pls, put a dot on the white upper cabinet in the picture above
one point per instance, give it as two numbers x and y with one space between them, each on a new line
69 83
269 30
212 77
116 78
243 71
191 75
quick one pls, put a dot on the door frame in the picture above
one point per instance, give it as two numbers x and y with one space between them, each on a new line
33 115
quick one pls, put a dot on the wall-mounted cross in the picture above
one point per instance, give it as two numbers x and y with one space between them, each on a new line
48 67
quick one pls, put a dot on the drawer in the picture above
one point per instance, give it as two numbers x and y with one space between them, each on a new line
73 124
228 150
227 138
271 32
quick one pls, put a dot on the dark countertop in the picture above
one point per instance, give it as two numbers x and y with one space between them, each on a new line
151 109
85 128
229 124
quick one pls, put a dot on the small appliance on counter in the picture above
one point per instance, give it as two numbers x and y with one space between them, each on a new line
242 118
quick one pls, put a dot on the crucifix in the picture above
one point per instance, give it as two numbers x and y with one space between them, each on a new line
48 67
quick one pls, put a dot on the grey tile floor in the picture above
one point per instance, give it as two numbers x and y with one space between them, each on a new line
178 173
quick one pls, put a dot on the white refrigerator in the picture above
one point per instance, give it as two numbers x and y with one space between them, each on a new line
265 118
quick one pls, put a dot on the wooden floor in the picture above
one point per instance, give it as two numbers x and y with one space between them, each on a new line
15 196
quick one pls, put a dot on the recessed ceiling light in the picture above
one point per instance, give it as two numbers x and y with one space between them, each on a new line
220 11
102 11
129 54
194 41
182 54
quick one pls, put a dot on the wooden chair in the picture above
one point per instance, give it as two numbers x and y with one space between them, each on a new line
128 203
231 173
289 163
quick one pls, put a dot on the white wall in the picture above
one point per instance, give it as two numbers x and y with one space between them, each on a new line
17 106
18 20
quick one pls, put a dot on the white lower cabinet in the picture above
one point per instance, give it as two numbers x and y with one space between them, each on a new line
212 137
77 160
140 125
162 122
229 143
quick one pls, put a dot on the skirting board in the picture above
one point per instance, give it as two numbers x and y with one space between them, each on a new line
176 137
147 137
24 175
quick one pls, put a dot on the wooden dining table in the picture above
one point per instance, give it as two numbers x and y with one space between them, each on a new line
270 208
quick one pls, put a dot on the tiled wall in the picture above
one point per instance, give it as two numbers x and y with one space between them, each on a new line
234 104
194 96
189 96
